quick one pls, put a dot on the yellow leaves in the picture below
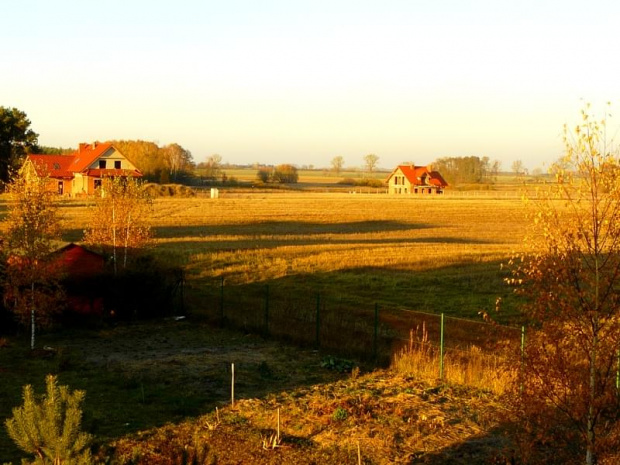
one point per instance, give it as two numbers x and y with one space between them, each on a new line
121 217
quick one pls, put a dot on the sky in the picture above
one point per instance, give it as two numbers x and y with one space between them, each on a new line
301 82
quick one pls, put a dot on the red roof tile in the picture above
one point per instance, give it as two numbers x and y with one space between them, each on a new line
87 154
56 166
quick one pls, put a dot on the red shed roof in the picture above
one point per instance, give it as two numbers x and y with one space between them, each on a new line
78 261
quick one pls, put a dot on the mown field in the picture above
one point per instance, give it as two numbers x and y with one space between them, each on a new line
432 254
427 254
355 251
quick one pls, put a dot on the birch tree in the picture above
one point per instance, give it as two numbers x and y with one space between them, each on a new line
120 219
32 224
568 394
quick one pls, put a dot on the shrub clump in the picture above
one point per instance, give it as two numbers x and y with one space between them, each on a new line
364 182
168 190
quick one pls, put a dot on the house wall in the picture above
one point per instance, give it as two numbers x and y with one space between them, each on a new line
398 183
79 186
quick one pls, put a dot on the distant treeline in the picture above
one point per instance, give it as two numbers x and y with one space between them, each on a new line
170 163
467 170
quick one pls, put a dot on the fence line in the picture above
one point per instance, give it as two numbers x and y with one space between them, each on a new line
324 321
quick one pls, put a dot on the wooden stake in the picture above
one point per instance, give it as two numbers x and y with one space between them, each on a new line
232 385
278 424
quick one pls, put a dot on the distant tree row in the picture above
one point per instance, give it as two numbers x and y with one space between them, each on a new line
283 174
471 169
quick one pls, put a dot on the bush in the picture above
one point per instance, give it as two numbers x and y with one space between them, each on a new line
168 190
263 175
364 182
285 174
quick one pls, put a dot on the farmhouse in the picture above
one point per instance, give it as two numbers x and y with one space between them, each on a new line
81 172
411 179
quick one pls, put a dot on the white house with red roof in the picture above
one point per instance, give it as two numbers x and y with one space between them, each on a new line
81 172
411 179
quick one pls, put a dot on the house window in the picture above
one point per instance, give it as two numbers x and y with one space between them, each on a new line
97 183
102 164
117 164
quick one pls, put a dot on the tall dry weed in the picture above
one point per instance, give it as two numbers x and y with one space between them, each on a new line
470 367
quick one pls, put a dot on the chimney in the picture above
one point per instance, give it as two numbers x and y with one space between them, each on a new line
82 146
94 144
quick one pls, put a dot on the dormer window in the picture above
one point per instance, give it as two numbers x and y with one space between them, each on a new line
102 164
117 164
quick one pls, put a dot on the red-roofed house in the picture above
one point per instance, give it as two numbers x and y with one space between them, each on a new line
410 179
80 173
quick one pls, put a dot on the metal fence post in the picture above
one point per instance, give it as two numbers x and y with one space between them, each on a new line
522 345
441 348
318 320
375 340
267 309
222 302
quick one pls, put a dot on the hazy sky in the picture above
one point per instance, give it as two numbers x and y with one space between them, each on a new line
303 81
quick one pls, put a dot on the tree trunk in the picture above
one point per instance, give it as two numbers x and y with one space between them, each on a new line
32 324
126 240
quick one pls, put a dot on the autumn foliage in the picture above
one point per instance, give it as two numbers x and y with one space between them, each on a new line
32 289
119 221
567 397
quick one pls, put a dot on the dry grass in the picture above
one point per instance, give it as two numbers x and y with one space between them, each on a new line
391 418
471 367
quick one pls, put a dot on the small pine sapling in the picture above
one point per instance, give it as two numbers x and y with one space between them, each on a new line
49 428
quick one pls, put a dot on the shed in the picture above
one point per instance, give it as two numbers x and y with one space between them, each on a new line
82 268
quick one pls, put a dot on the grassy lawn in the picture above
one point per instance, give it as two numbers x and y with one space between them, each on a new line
145 375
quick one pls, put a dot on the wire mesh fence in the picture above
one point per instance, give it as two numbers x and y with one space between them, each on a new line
327 321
